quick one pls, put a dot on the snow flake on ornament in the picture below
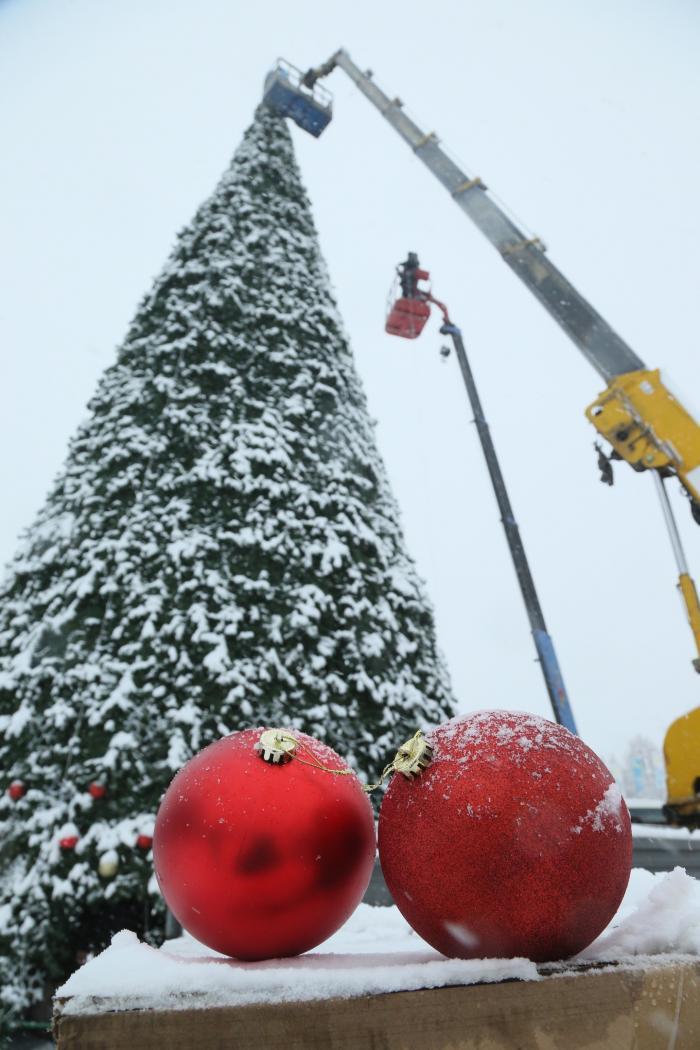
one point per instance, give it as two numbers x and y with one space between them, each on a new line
607 814
520 737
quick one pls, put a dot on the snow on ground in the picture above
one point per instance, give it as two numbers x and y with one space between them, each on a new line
660 915
376 951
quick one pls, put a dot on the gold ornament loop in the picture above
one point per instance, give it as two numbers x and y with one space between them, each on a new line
412 758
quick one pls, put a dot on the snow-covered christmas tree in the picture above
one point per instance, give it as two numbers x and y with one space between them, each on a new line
221 550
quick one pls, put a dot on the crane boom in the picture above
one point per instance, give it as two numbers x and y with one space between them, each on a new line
637 413
603 347
643 421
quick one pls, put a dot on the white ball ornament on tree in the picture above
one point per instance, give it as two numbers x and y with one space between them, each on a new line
108 864
512 840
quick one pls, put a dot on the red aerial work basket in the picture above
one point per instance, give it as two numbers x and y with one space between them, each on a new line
407 317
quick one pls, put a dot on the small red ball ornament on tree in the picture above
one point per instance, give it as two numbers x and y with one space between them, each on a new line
144 842
513 840
264 844
97 790
17 790
68 842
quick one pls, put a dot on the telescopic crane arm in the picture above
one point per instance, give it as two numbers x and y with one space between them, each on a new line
605 350
642 420
408 321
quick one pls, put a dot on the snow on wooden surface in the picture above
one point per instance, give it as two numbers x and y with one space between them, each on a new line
376 951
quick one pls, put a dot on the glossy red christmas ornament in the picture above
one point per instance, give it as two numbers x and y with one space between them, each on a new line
144 842
264 849
97 790
17 790
69 842
514 841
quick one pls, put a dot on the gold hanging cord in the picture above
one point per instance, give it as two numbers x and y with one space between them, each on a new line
279 746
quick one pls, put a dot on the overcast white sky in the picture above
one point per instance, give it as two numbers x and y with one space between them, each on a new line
119 117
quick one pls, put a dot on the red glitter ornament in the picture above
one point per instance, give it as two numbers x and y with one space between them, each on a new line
69 842
264 858
97 790
17 790
514 841
144 842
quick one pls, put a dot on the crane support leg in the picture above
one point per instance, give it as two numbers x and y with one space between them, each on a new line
685 581
546 655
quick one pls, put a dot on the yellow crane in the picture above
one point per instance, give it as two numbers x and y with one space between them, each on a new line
643 422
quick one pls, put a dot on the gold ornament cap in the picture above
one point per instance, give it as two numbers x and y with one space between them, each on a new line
411 760
414 756
276 746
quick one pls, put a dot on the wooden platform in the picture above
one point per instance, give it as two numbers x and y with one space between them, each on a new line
656 1008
